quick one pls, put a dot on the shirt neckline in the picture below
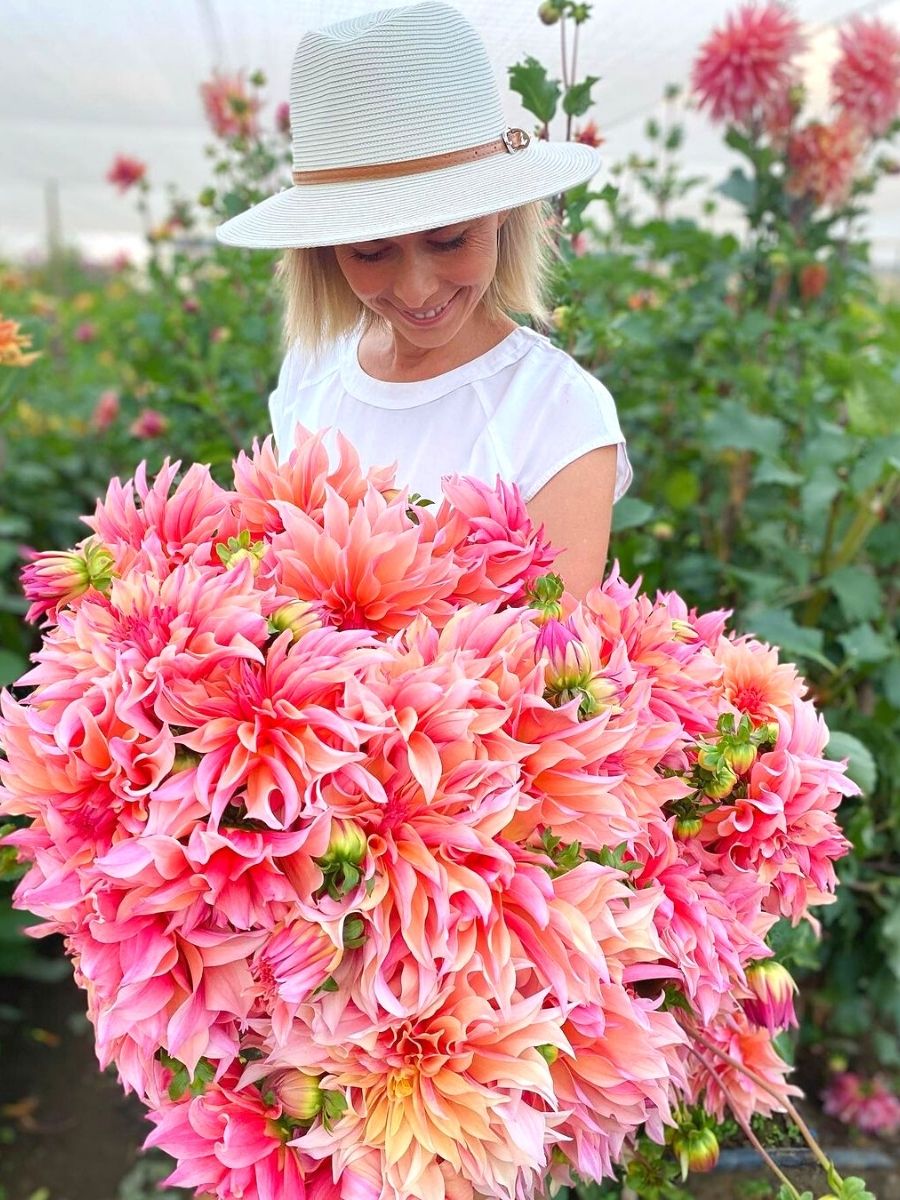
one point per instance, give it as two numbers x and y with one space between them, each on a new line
384 394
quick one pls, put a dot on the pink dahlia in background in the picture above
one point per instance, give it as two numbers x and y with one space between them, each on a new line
283 118
150 424
822 160
230 109
747 61
866 77
125 172
105 410
390 870
870 1104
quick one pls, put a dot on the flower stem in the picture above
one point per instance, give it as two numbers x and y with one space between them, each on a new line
814 1146
750 1135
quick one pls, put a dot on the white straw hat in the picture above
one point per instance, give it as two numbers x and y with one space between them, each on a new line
398 126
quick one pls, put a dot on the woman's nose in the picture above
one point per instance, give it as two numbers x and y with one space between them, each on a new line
415 284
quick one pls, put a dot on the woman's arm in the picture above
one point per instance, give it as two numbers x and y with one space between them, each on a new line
575 508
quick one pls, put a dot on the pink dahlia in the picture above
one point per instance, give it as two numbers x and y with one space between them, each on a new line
783 831
151 525
125 172
230 110
261 482
721 1085
746 60
491 537
866 76
230 1142
57 578
625 1060
754 681
461 1082
870 1104
822 160
150 424
369 566
267 731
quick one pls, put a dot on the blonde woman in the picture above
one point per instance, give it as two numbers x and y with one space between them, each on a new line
416 243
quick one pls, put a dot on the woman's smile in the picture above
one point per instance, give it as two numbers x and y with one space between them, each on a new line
427 316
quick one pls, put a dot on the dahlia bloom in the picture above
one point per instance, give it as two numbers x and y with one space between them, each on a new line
871 1105
105 410
822 160
229 1142
150 424
753 679
230 110
865 79
746 61
125 172
720 1085
13 344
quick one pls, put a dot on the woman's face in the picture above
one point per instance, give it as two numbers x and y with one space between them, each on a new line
426 285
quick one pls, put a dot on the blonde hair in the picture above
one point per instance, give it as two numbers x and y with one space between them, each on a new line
319 305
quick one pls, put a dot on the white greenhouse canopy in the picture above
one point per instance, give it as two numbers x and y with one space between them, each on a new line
82 82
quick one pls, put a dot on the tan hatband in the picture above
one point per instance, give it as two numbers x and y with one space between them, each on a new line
509 142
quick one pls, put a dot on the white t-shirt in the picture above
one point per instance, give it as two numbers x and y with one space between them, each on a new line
523 410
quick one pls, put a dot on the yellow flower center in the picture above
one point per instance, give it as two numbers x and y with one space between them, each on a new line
400 1083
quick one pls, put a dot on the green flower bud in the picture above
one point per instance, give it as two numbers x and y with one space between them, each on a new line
298 1094
697 1150
722 783
741 757
687 827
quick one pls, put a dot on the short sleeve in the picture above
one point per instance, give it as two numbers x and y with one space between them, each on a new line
570 415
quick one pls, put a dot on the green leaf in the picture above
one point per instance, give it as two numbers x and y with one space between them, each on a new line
11 667
861 765
738 187
854 1188
540 95
865 644
735 427
891 682
872 405
630 512
778 627
858 593
794 945
682 488
577 99
773 470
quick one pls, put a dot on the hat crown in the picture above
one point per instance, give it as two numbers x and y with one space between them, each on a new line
391 85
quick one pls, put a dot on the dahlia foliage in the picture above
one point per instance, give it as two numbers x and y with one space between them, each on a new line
747 73
388 868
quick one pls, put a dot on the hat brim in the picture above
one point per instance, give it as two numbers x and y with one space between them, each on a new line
331 214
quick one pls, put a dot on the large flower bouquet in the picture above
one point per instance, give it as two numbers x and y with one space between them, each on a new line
388 868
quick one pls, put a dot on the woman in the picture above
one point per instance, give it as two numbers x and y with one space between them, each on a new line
414 230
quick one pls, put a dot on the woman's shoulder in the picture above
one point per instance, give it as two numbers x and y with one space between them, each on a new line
554 389
553 362
300 366
553 412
